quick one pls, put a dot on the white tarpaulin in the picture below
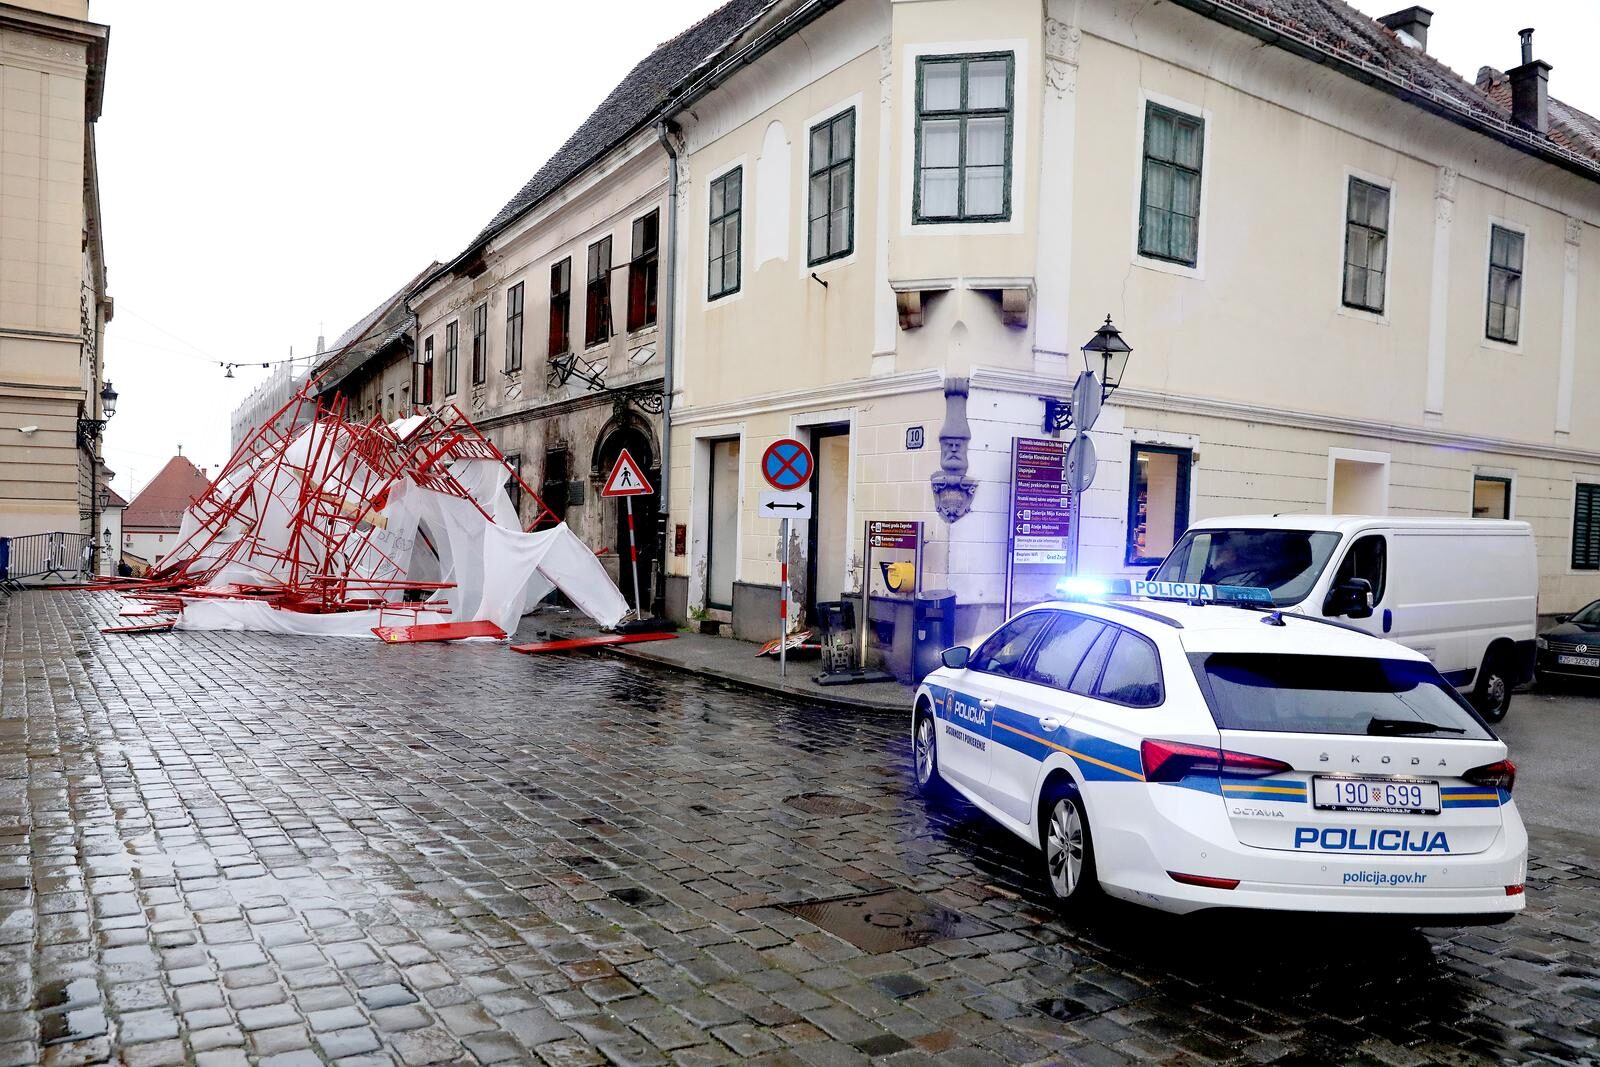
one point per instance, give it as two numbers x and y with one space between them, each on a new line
492 570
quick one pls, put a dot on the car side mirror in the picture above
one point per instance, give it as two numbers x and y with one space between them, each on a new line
1150 574
1351 597
1563 618
955 658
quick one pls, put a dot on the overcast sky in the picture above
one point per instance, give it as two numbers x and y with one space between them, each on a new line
267 172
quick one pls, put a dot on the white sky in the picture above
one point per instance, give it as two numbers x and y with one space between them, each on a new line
269 171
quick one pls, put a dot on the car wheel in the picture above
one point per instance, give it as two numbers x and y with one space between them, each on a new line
925 754
1068 848
1492 696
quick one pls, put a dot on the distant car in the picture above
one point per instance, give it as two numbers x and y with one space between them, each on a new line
1191 756
1571 648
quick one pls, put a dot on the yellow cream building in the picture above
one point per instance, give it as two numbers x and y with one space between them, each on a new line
53 303
1353 281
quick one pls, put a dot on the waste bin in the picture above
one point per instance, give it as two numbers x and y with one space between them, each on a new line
933 627
836 621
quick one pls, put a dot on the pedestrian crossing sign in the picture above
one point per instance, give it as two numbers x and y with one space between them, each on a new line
626 478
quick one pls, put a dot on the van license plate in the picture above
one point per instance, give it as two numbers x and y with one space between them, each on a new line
1405 796
1579 661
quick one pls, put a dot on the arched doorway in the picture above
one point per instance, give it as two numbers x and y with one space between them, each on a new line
628 433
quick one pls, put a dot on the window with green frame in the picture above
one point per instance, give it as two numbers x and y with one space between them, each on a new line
1505 285
1169 196
963 142
1586 528
832 216
727 202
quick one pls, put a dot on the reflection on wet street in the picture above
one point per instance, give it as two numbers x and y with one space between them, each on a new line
223 848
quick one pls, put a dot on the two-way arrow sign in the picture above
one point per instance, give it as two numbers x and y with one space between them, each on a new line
795 504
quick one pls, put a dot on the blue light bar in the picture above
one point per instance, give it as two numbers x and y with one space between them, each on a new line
1085 587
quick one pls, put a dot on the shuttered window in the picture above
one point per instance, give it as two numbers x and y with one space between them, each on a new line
1169 199
1586 528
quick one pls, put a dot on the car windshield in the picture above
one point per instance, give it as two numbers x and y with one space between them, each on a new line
1332 695
1288 562
1588 616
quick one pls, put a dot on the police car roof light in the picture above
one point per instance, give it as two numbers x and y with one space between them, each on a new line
1088 587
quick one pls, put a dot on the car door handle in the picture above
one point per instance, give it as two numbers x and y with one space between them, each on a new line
1049 723
986 705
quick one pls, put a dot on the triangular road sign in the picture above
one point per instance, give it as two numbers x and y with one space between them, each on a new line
626 479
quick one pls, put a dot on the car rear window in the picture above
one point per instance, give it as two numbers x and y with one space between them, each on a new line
1331 695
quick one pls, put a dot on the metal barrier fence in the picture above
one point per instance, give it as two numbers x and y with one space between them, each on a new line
44 555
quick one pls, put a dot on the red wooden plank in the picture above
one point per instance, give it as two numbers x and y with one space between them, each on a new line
141 628
438 631
589 642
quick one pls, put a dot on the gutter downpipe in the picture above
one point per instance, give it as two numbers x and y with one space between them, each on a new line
664 130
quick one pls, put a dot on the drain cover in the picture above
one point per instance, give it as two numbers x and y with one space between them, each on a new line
889 921
826 804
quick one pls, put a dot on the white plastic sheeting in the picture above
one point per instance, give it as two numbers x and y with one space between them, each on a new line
496 571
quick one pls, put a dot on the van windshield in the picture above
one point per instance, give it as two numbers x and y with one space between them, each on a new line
1332 695
1288 562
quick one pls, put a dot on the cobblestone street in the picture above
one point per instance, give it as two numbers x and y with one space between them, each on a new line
226 848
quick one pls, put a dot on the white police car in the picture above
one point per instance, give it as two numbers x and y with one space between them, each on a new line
1189 754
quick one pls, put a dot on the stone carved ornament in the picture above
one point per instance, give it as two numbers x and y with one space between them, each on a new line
952 489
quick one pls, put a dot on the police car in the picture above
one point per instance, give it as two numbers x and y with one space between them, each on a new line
1202 751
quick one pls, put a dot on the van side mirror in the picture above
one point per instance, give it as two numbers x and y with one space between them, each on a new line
955 658
1351 597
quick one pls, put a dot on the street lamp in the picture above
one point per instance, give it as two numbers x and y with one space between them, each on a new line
1112 351
108 399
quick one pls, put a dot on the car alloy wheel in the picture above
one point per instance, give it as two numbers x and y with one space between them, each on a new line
1066 847
925 754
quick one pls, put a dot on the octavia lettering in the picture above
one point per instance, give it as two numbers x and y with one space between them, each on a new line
1340 839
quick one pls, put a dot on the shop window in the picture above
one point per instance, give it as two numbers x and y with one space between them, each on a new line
1158 502
1491 497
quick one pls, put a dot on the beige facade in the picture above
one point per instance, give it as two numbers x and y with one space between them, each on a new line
574 398
1249 369
53 303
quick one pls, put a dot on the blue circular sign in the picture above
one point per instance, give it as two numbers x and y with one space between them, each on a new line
786 464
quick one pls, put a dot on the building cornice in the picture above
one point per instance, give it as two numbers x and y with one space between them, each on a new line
1013 381
551 408
834 395
95 37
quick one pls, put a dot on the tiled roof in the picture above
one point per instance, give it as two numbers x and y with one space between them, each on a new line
374 332
160 504
1326 30
632 105
1569 127
114 498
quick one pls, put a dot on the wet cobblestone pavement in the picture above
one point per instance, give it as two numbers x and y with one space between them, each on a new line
228 848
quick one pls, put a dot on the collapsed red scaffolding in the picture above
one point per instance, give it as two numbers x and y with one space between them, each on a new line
332 478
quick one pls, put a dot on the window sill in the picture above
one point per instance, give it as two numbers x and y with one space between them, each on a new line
590 347
1167 266
1509 348
1377 318
643 331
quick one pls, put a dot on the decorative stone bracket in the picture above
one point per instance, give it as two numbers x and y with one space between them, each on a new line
1015 294
909 295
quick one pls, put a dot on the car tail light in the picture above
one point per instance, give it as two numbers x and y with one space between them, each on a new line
1500 775
1204 881
1513 890
1173 761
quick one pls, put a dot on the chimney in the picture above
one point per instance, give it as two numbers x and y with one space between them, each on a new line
1411 25
1530 88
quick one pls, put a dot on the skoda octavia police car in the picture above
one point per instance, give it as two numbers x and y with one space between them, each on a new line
1188 754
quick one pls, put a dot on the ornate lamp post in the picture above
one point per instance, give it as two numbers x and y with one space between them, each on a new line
89 431
1112 351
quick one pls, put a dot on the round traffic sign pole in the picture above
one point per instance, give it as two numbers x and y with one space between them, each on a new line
787 465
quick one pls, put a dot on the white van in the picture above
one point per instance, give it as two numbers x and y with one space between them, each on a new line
1463 592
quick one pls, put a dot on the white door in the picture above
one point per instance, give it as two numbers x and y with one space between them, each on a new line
968 709
722 546
1038 719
